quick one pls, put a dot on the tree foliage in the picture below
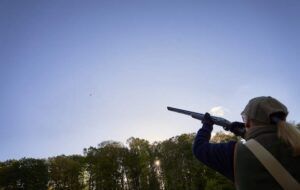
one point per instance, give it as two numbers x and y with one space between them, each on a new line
105 166
65 173
24 174
139 165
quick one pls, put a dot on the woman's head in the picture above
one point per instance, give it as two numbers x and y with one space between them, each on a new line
266 111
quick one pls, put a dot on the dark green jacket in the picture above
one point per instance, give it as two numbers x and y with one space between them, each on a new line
250 174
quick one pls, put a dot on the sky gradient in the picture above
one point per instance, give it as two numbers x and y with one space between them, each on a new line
76 73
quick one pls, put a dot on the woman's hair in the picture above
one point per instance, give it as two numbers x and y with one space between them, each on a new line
286 132
290 135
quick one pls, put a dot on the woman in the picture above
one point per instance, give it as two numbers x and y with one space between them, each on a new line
265 122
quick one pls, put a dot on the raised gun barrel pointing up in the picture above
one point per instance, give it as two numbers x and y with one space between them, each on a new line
237 128
217 120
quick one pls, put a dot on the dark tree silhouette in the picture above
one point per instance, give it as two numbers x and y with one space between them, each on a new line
141 165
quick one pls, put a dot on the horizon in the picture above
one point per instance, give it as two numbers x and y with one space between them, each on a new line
75 74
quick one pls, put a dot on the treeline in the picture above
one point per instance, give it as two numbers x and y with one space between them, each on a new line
168 165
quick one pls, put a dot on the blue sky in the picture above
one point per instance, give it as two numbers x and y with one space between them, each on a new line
76 73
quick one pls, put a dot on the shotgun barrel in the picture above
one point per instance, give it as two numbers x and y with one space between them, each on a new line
217 120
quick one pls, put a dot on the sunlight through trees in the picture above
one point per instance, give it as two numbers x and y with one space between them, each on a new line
164 165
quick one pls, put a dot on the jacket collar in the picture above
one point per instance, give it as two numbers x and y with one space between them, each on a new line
255 131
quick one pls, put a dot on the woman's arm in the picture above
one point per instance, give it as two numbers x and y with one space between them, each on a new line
216 156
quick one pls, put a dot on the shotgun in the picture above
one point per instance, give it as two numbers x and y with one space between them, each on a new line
237 128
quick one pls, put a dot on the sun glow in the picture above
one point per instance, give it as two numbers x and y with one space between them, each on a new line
157 163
